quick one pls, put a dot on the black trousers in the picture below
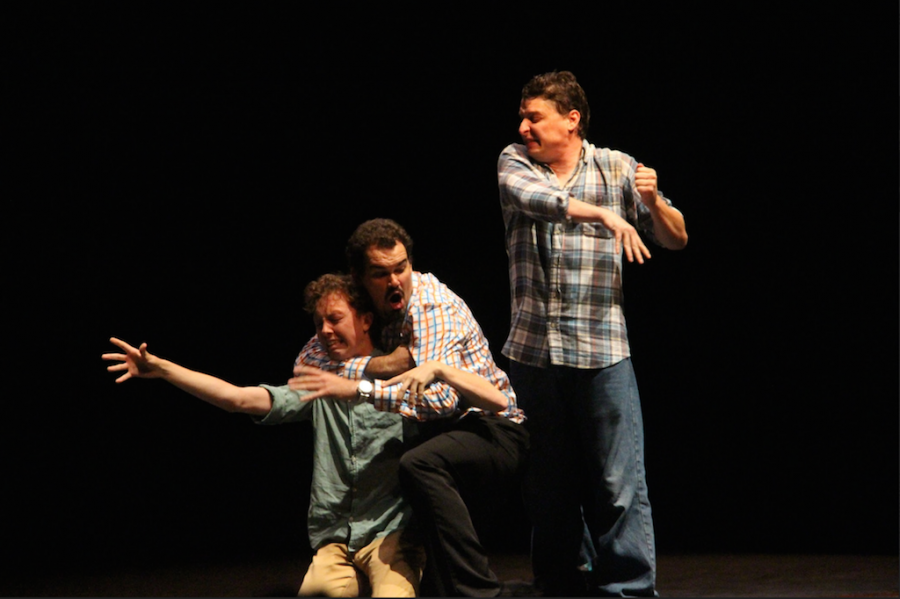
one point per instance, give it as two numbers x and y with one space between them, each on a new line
459 464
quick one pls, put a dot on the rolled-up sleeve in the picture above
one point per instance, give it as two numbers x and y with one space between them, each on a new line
637 213
355 368
287 406
524 188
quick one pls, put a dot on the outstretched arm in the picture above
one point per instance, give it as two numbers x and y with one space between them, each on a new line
139 363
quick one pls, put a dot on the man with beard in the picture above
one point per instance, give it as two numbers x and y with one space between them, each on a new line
469 442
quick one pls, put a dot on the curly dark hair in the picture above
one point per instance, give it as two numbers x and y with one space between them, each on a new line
380 232
340 284
561 88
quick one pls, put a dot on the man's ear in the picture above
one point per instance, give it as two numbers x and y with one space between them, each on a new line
574 118
367 320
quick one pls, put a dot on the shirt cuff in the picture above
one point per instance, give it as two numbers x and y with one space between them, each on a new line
355 368
562 207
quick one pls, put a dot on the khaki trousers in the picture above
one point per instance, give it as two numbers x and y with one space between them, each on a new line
390 566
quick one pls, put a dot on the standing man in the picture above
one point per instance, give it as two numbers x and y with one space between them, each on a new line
570 209
357 515
473 441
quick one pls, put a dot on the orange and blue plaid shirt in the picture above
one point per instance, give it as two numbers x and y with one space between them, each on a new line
566 277
438 326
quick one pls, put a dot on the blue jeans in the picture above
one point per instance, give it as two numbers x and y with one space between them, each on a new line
586 472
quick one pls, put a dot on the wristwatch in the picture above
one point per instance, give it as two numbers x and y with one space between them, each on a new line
364 389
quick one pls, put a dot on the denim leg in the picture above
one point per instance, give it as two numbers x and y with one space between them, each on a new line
553 482
588 554
587 457
617 505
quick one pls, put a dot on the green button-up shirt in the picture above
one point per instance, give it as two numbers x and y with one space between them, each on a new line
355 493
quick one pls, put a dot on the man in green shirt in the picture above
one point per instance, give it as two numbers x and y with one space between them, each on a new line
356 513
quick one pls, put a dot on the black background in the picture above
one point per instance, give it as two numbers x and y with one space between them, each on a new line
181 173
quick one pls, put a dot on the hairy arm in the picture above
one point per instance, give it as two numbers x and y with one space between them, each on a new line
398 361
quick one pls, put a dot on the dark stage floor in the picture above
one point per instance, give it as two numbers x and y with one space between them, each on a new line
679 576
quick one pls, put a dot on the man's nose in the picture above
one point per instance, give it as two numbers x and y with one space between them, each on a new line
524 127
395 280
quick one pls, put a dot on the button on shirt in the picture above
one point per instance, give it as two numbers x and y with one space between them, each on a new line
355 492
438 325
566 277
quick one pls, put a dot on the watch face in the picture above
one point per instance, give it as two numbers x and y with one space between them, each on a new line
365 387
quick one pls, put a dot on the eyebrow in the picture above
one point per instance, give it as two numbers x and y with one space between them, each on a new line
389 266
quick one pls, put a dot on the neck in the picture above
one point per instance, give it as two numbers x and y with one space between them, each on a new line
565 165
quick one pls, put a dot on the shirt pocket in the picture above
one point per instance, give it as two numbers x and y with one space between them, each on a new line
595 230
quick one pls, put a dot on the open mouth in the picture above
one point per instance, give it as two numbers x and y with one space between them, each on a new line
395 300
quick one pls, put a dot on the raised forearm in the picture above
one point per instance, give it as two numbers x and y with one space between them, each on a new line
668 226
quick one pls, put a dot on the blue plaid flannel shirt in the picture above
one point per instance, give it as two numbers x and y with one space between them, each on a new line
566 277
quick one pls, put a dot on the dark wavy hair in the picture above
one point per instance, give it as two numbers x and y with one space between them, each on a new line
340 284
382 233
561 88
